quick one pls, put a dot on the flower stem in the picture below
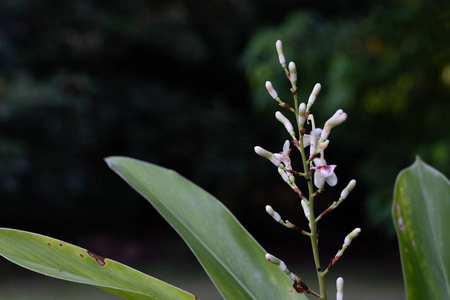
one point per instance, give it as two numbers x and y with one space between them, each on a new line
313 221
315 245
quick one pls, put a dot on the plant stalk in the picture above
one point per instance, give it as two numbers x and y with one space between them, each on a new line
313 222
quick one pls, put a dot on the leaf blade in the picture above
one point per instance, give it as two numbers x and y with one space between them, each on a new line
231 257
421 204
65 261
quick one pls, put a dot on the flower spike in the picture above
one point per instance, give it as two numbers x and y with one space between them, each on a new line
315 171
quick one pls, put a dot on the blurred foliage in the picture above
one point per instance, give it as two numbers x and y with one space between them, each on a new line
389 70
166 82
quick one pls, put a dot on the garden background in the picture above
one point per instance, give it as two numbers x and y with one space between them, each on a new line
181 84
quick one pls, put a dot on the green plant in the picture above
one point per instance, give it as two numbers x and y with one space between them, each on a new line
420 212
231 257
312 163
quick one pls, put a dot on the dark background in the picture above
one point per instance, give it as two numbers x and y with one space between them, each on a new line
181 84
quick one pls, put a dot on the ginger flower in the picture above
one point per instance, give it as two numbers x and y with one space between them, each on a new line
324 173
284 155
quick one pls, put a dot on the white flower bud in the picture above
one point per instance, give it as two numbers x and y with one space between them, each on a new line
287 124
273 213
271 90
338 118
272 259
351 236
293 73
279 46
340 288
348 189
276 261
266 154
301 113
314 94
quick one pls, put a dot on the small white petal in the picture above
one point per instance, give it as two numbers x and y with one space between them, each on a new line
326 170
306 140
318 162
319 180
332 180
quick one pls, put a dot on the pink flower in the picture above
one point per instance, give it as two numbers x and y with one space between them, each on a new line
324 173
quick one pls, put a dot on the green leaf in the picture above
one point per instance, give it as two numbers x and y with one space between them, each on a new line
229 254
61 260
421 216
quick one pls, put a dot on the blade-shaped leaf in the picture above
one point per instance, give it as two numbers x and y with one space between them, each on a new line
229 254
420 211
61 260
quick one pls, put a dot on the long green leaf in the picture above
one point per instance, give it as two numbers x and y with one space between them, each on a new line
61 260
421 216
229 254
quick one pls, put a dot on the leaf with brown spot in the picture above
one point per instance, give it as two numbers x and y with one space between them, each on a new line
34 252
